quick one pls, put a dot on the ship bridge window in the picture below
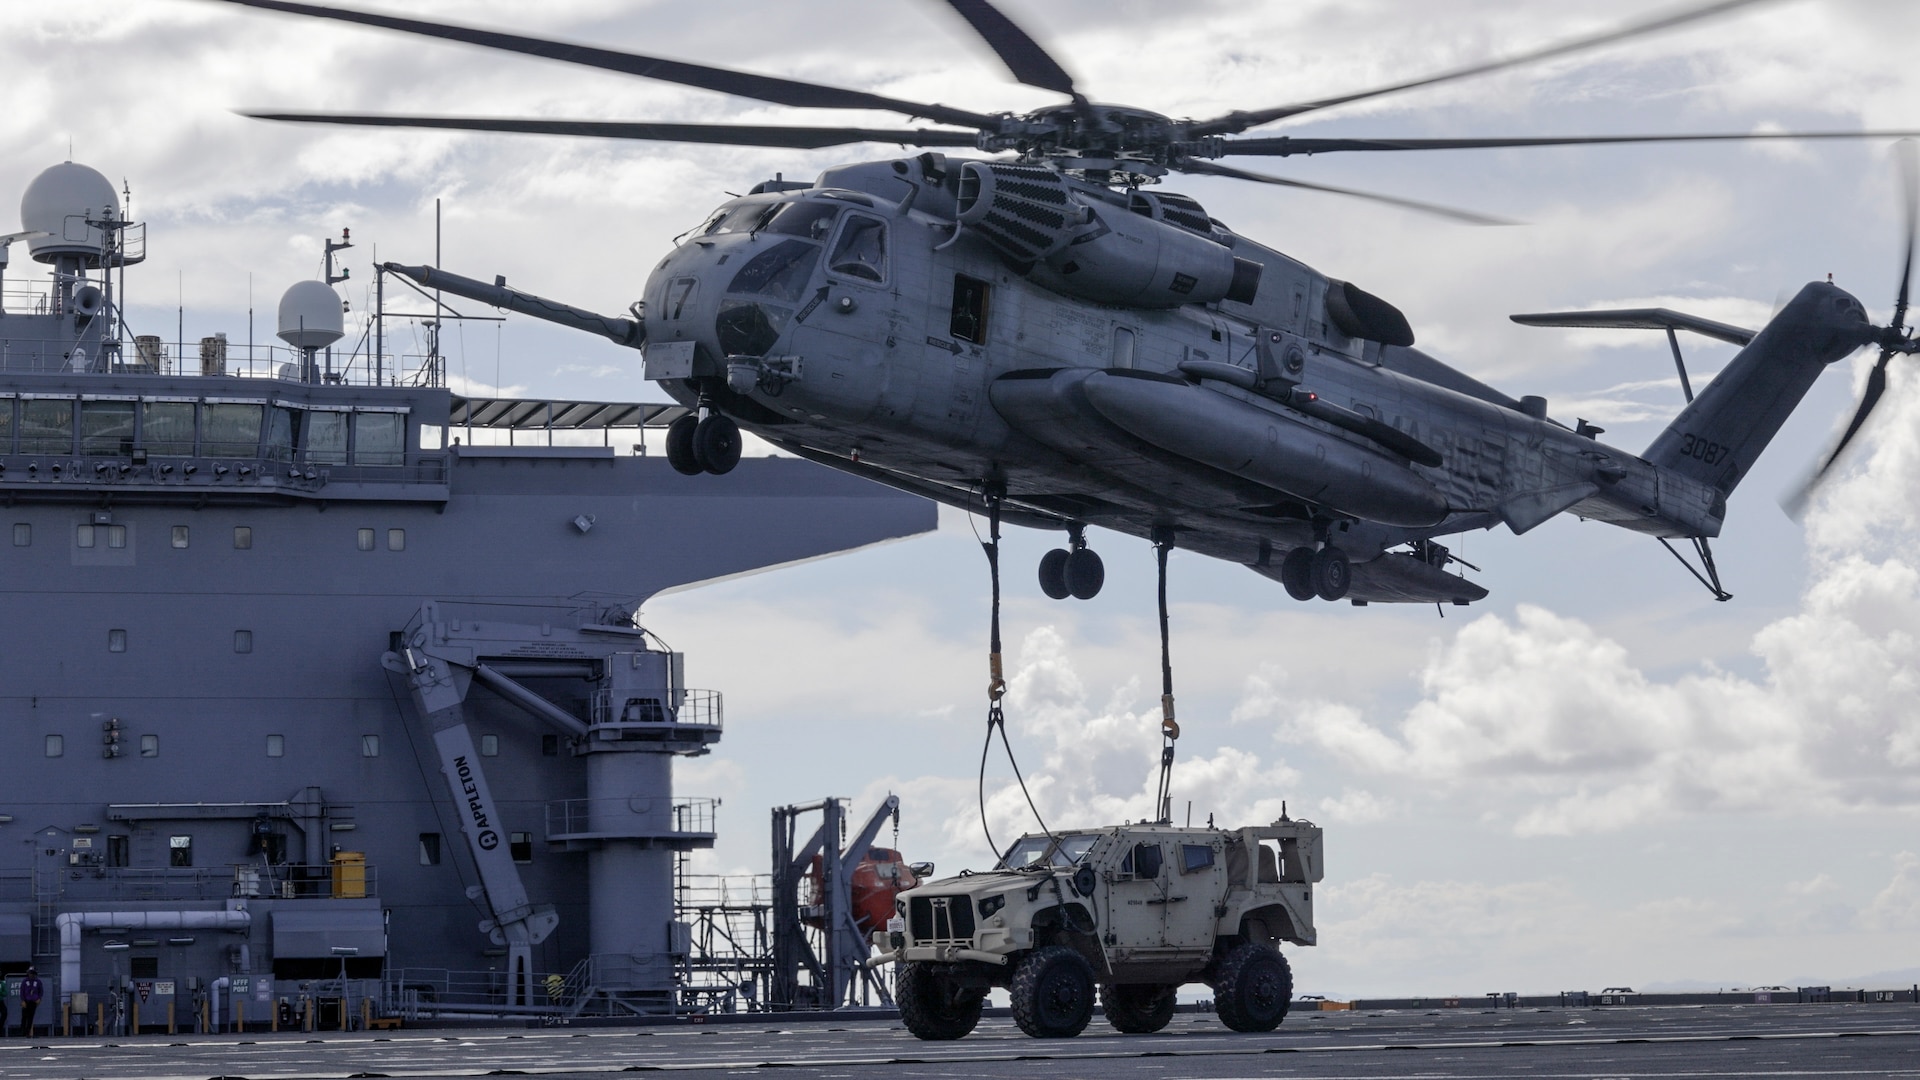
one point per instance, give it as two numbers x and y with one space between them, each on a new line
364 539
6 426
369 746
56 745
276 746
782 271
149 746
182 535
861 251
325 438
396 539
22 534
116 641
809 218
46 426
242 537
243 641
379 438
280 427
969 321
232 429
166 428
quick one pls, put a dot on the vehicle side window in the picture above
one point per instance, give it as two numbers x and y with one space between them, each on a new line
861 251
1195 858
969 309
1142 862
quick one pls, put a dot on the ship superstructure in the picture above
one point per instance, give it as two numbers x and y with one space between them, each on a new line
299 692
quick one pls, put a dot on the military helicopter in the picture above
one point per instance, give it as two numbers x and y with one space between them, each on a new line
1047 334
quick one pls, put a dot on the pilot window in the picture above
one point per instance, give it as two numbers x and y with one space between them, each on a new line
861 251
781 271
810 219
969 309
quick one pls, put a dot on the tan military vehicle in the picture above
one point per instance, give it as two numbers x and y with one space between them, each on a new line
1135 911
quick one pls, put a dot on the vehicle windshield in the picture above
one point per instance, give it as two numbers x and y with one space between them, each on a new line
1033 850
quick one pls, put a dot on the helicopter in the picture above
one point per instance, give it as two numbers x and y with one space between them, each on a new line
1047 334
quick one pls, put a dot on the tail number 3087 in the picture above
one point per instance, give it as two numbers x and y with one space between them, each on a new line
1710 452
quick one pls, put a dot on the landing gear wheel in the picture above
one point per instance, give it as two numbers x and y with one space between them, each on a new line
716 444
1085 573
1053 573
1052 993
1296 574
1253 987
680 446
932 1007
1137 1010
1332 573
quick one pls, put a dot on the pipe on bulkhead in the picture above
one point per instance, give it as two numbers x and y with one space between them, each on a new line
71 924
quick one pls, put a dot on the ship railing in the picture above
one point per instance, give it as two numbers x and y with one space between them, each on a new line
148 355
418 993
630 817
711 892
638 715
262 881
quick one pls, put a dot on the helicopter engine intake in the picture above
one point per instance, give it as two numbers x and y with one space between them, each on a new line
1107 254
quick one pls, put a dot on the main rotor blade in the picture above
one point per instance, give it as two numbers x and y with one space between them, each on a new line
1286 146
794 138
792 92
1016 48
1909 157
1241 121
1212 168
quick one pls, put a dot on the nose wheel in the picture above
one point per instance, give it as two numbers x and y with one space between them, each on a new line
1074 571
709 444
1326 573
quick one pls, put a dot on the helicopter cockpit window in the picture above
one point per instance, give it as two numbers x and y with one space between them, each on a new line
861 251
780 271
808 218
969 309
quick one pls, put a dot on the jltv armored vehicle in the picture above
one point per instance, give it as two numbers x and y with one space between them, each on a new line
1135 910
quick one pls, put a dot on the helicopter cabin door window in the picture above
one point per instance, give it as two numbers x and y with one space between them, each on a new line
1122 347
969 309
861 251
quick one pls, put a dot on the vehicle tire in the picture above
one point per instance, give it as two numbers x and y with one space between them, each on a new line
1137 1010
1296 573
1052 993
716 444
680 446
1332 573
931 1008
1085 574
1253 987
1053 573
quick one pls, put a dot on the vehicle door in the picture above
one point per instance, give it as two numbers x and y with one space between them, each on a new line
1136 897
1195 883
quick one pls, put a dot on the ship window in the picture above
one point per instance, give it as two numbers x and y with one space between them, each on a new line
379 438
521 844
116 536
276 746
46 426
117 851
149 746
429 849
1122 347
396 539
56 745
116 641
83 536
181 535
325 440
231 430
179 851
364 540
489 746
242 537
782 271
969 309
6 426
279 434
243 641
22 534
861 251
369 746
166 428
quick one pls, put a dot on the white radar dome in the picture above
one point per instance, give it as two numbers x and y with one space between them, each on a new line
310 315
60 202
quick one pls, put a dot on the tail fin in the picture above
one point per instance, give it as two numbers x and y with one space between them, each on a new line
1717 437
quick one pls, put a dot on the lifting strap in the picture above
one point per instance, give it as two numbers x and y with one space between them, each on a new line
996 677
1169 728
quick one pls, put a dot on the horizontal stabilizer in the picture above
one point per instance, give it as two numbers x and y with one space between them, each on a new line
1528 509
1640 319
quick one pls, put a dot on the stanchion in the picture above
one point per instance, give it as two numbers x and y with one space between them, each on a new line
366 1014
240 1014
135 1028
171 1029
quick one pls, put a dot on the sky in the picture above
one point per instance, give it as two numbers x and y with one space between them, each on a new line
1597 777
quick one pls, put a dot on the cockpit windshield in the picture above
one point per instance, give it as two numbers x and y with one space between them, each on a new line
780 271
808 218
1033 850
